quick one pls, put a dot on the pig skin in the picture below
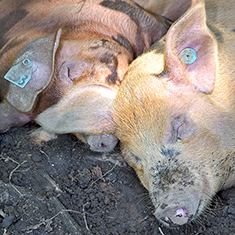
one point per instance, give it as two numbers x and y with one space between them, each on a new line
90 46
176 118
170 9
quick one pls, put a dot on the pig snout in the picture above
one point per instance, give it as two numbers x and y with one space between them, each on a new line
102 143
178 192
177 208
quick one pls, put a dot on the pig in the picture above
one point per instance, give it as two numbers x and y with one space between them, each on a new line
170 9
61 62
174 113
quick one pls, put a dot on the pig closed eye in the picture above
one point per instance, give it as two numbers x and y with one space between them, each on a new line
65 71
179 132
77 71
182 127
69 73
177 126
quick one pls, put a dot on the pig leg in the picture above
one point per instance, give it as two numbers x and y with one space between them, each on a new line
9 117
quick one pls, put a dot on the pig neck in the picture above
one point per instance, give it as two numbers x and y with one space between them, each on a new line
219 21
223 95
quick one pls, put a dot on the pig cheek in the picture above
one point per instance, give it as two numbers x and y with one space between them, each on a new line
136 163
10 117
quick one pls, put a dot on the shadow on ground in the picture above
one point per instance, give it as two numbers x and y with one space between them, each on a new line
61 187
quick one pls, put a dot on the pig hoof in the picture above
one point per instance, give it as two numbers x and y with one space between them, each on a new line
102 143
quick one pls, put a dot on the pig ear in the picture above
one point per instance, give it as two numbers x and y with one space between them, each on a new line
86 109
32 71
191 51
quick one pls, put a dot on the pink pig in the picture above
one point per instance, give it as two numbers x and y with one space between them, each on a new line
174 113
170 9
61 62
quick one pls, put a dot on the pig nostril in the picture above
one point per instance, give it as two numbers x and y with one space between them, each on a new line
166 219
181 213
176 217
101 145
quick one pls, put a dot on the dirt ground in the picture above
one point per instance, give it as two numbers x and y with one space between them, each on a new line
61 187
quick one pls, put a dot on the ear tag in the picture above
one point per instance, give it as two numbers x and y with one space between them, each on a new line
188 55
20 74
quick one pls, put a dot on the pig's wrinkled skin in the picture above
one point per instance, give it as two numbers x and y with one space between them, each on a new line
79 51
175 117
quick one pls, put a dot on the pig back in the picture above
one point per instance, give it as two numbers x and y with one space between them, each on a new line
23 21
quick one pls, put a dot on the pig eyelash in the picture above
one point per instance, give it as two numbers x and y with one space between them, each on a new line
69 73
160 75
178 138
58 71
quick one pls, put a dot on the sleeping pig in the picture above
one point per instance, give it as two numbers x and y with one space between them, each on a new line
170 9
174 113
61 62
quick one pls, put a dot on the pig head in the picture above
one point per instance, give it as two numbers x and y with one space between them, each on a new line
174 113
62 62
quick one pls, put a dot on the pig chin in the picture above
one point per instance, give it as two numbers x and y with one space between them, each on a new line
179 200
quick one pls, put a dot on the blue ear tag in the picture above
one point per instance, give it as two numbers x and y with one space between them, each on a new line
21 73
188 55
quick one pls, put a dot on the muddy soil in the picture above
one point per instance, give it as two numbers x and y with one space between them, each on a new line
61 187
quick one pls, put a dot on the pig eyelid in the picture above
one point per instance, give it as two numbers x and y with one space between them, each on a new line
176 124
177 133
160 75
183 128
69 72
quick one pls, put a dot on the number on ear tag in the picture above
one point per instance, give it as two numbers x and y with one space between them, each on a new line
20 74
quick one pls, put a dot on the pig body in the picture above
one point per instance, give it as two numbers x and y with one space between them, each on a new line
69 58
174 113
170 9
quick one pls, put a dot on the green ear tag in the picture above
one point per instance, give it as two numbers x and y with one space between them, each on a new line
188 55
20 74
